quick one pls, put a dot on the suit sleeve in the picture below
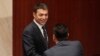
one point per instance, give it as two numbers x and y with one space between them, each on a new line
28 44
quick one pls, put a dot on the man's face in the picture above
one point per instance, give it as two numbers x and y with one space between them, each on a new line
41 16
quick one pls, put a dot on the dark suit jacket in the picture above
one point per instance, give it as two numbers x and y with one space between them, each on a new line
66 48
33 41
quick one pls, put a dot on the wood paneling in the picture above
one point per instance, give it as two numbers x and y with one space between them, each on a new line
81 16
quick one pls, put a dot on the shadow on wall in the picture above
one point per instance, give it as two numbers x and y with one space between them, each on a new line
96 55
6 36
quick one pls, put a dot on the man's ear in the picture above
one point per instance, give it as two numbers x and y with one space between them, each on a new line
54 38
68 34
34 14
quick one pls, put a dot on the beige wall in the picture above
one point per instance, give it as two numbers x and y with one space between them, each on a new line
5 27
5 8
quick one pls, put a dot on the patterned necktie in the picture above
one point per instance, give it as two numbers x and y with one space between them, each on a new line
45 33
45 36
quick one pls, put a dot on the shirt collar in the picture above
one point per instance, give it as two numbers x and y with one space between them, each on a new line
40 26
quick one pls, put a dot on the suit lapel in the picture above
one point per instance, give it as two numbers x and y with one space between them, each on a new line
37 30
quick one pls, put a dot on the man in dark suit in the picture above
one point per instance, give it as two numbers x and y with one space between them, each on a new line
35 39
63 46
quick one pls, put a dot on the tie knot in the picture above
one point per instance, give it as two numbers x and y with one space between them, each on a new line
43 27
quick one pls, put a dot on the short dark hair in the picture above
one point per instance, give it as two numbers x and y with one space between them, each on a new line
39 6
61 32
